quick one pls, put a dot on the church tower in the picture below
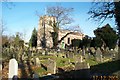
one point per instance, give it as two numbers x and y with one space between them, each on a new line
44 38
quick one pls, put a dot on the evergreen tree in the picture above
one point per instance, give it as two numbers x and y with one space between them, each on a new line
33 39
107 35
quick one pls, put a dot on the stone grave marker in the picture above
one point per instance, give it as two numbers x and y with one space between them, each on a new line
116 48
51 67
35 76
92 50
0 64
81 65
37 62
0 69
71 55
13 68
23 57
43 53
98 55
78 59
83 70
83 52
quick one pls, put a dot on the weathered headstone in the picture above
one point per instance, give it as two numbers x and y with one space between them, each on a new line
98 55
81 65
0 64
0 69
92 49
37 62
13 69
78 59
83 52
82 70
51 67
43 53
35 76
71 55
23 57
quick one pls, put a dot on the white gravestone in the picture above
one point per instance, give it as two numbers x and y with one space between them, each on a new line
13 69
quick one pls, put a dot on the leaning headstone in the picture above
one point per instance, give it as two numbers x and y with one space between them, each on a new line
13 69
98 55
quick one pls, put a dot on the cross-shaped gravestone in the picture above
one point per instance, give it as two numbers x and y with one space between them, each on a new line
13 68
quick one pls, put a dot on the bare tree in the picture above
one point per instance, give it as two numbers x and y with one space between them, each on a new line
101 11
8 4
106 10
3 27
63 18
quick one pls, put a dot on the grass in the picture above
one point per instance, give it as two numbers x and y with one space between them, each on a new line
91 62
40 71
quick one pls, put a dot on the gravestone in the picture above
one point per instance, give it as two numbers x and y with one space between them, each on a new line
71 55
37 62
98 55
78 59
23 57
0 69
92 50
116 48
13 68
63 45
82 70
83 52
51 67
43 53
0 64
35 76
82 65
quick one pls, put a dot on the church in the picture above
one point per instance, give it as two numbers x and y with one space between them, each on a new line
44 36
